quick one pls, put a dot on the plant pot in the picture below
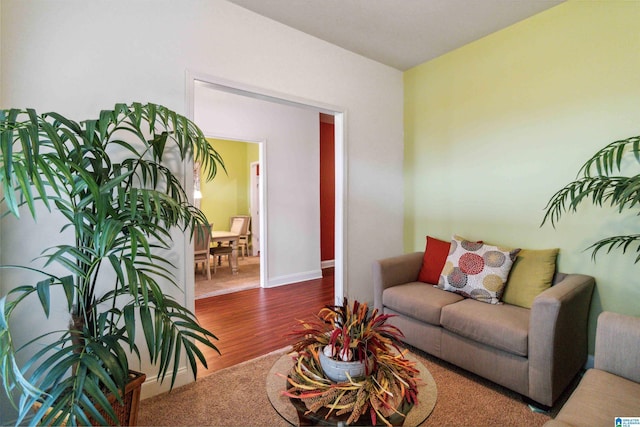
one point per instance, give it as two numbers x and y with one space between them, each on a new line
337 370
127 411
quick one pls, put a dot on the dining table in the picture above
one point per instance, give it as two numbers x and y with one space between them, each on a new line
219 237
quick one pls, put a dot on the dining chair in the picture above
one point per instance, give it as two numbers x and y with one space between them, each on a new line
217 252
241 224
202 242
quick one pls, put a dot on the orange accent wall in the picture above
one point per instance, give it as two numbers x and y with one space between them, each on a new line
327 190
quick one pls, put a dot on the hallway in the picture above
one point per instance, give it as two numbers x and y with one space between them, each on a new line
223 282
254 322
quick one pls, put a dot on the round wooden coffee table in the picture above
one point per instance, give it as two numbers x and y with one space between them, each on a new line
276 384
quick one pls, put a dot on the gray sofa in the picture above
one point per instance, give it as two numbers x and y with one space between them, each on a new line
535 352
612 388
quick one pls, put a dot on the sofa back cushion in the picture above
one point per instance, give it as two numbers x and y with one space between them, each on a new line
477 270
532 273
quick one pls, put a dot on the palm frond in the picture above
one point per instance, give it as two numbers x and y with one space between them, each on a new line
623 192
597 184
609 159
617 242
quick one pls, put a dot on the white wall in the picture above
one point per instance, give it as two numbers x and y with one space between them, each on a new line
291 136
4 406
77 57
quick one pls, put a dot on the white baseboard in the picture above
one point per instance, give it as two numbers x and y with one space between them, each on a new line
328 263
152 385
293 278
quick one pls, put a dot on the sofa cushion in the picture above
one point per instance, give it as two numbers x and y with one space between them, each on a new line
418 300
435 254
599 398
477 270
504 326
531 274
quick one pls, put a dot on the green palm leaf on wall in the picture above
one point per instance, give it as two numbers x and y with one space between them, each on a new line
600 181
108 177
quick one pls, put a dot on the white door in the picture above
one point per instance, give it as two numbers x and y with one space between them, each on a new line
254 209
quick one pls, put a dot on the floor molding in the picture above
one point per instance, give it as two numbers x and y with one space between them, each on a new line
294 278
328 263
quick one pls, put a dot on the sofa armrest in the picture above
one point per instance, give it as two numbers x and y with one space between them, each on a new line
394 271
618 345
558 336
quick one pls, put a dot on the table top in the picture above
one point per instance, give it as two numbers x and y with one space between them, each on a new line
224 235
427 392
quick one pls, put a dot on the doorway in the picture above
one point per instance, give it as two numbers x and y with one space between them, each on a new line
282 254
230 195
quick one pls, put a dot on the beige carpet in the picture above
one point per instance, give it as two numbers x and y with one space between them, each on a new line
236 396
223 282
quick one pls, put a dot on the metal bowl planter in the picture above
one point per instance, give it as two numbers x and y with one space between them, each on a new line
337 370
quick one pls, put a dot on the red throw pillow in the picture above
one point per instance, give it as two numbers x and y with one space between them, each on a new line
435 255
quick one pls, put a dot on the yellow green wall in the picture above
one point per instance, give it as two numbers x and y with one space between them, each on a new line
228 194
494 128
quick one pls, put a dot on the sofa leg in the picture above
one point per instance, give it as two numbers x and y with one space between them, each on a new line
535 406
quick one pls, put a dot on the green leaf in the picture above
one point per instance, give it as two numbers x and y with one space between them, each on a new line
101 401
44 294
130 323
69 290
108 362
147 328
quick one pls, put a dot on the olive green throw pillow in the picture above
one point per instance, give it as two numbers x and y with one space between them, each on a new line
531 274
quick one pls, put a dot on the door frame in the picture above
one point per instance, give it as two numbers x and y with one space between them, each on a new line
340 167
253 206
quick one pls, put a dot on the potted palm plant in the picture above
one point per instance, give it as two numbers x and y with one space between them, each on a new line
109 180
602 181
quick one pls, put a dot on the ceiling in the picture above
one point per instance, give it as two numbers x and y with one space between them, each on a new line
399 33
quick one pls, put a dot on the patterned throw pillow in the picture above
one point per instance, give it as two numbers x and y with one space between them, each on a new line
435 255
477 270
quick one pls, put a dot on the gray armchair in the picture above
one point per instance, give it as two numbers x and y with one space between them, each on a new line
612 388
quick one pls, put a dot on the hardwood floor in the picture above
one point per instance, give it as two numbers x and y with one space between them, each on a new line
254 322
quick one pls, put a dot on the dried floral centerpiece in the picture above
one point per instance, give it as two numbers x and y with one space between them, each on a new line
386 389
